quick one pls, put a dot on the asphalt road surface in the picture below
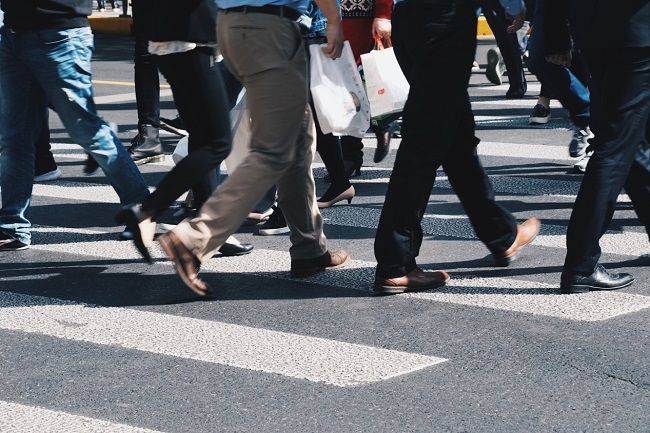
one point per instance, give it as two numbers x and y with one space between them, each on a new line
92 339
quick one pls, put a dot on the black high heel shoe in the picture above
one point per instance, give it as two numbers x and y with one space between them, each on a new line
333 196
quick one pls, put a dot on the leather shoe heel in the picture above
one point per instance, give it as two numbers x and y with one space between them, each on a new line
600 279
415 281
301 268
526 233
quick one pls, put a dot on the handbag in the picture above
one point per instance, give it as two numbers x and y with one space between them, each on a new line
386 84
339 98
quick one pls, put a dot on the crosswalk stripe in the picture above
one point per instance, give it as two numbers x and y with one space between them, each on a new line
535 298
124 97
508 121
528 151
459 226
523 103
495 293
532 88
298 356
18 418
502 184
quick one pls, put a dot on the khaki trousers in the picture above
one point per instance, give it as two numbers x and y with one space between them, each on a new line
266 53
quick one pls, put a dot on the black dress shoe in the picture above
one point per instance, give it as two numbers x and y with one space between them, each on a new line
599 280
514 93
383 142
229 250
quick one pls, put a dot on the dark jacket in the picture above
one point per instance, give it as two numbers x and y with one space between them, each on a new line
24 15
186 20
597 24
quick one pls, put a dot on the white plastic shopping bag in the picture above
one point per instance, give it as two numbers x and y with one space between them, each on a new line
240 123
337 90
385 82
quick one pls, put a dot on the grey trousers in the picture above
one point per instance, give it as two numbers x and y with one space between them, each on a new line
266 53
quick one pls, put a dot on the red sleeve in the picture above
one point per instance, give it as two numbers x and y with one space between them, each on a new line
383 8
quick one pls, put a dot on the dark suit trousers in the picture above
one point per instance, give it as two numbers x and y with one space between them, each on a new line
435 48
620 108
495 15
201 98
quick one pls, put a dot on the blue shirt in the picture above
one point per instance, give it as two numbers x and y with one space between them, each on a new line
513 7
299 5
318 22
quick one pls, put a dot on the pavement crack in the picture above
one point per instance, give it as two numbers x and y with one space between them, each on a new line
641 386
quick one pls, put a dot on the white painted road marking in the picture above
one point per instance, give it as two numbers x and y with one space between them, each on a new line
297 356
18 418
495 293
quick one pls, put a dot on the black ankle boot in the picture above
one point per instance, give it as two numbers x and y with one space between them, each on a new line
146 146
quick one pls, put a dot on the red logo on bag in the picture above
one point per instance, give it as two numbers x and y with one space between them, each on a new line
381 91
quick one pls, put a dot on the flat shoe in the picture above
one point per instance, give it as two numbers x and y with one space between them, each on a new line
143 231
186 264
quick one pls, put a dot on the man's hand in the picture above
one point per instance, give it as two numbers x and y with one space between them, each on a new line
381 28
334 34
334 30
562 58
517 21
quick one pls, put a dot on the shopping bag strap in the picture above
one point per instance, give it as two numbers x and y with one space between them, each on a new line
380 43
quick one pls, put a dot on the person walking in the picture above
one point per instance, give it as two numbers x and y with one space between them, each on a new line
507 55
427 34
145 146
183 44
562 83
615 42
45 52
273 70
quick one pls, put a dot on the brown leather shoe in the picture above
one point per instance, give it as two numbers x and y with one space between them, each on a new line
415 281
526 233
301 268
186 264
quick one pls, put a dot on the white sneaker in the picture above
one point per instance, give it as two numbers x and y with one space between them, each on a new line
49 176
579 142
581 166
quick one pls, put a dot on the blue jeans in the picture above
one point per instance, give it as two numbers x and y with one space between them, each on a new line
52 65
557 79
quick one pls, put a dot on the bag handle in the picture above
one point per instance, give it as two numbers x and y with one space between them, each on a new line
380 43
